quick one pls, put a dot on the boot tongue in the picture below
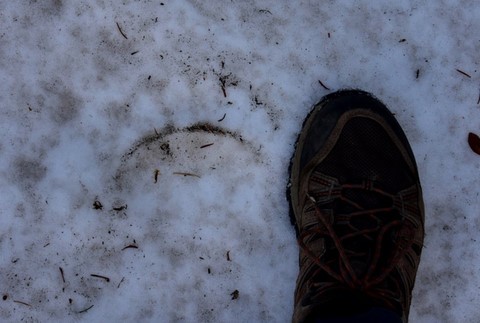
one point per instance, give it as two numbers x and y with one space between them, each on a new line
361 226
366 197
360 267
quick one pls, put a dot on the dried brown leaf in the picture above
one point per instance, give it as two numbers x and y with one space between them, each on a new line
474 142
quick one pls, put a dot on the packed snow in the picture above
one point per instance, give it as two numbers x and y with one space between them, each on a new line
145 150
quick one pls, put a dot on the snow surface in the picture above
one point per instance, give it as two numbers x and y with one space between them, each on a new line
116 104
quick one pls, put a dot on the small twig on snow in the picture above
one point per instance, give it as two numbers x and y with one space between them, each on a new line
323 85
463 73
102 277
121 32
20 302
61 272
220 120
83 311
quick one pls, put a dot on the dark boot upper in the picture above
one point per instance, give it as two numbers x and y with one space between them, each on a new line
358 209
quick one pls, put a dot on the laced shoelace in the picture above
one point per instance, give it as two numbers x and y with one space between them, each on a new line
376 273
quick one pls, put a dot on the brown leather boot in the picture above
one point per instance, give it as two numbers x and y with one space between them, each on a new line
357 207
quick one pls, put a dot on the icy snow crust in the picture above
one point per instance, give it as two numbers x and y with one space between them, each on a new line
147 144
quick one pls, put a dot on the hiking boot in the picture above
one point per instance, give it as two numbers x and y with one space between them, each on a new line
357 206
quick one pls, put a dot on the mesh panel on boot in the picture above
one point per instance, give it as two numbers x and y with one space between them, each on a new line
365 151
